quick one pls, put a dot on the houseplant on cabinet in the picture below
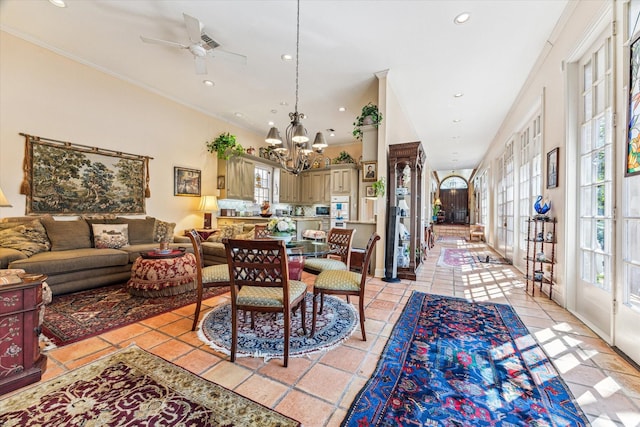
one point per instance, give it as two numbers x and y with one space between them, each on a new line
225 145
370 115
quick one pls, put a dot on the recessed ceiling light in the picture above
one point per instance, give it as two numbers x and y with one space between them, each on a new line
208 83
462 18
58 3
342 109
238 114
284 103
271 123
456 120
274 111
458 95
286 57
332 134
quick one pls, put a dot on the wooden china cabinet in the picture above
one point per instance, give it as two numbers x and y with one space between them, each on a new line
406 162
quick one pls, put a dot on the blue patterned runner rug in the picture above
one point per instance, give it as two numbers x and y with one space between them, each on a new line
451 362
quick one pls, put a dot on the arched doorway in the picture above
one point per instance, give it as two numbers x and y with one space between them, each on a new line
454 195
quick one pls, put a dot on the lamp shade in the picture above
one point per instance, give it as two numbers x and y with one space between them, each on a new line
319 143
208 203
438 202
4 203
273 137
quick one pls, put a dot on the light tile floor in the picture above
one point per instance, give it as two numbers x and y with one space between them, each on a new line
317 390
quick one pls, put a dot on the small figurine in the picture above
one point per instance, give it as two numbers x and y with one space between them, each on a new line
264 208
549 236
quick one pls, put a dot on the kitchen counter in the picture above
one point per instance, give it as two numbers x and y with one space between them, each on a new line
260 218
360 222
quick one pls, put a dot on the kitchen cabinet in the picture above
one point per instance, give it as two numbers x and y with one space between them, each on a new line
289 188
344 180
315 187
240 177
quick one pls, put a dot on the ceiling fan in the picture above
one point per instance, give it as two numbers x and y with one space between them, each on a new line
201 45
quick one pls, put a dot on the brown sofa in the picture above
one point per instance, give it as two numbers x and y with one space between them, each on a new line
65 250
213 248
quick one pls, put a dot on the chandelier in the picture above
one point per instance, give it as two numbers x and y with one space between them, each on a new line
295 151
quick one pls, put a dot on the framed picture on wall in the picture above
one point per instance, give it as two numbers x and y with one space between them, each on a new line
369 171
186 182
633 135
552 168
370 191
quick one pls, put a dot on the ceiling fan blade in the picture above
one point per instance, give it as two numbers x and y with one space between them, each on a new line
193 28
163 42
231 56
201 65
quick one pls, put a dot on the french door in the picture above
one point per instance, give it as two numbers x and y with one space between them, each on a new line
505 225
594 296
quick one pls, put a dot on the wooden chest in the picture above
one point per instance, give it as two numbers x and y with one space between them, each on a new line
20 360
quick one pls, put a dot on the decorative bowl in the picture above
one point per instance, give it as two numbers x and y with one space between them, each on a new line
267 215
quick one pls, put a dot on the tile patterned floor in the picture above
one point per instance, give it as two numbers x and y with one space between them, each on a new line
317 390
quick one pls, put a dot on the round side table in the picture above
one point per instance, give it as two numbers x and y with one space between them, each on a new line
158 277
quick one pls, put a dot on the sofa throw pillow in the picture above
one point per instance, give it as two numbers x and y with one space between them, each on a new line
29 238
112 236
163 231
65 235
140 230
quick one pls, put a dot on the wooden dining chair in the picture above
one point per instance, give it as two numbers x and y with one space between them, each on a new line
340 241
260 231
259 275
207 277
341 282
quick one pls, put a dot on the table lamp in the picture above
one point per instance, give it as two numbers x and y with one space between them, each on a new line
208 204
4 203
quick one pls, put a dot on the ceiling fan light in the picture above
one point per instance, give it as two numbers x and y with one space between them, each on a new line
319 142
58 3
273 137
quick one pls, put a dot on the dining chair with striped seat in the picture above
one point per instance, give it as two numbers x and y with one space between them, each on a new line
340 241
343 282
207 277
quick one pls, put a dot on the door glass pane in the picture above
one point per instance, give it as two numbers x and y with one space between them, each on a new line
587 76
585 145
600 96
586 235
586 168
600 131
632 294
599 265
632 238
586 267
600 200
587 105
600 234
585 207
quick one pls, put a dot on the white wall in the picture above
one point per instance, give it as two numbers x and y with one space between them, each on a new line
48 95
548 77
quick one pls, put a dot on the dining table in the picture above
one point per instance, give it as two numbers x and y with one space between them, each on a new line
297 250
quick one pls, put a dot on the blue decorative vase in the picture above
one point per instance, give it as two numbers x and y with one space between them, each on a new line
543 208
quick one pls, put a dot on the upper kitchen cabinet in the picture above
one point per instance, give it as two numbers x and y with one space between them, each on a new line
315 187
289 188
239 182
344 180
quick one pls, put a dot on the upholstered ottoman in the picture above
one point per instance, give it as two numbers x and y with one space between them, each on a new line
157 277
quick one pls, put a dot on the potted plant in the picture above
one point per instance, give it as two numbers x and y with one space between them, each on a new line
370 115
225 145
379 187
343 157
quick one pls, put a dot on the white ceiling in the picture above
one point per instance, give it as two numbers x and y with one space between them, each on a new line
342 44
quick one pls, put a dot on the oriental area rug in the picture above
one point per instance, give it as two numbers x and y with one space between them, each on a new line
74 317
133 388
450 257
451 362
335 324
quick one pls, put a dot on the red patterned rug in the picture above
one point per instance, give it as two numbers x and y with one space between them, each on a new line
134 388
456 258
74 317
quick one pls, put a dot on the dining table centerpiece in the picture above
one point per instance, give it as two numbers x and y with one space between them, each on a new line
282 228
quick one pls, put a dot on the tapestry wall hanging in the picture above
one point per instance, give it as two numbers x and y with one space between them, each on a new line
62 178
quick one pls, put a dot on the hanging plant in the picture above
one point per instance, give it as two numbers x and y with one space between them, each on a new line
370 115
225 145
379 187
